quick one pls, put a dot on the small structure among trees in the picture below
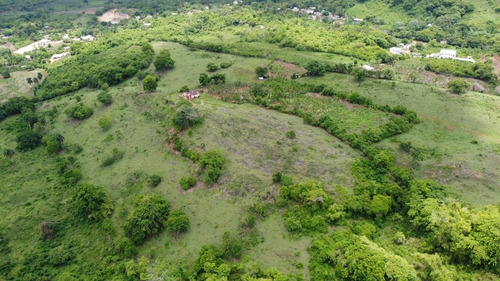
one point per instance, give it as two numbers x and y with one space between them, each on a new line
190 95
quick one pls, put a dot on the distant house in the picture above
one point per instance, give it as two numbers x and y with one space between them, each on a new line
357 20
367 67
57 57
447 54
88 38
190 95
401 49
147 24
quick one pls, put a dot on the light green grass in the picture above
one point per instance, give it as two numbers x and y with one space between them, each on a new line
449 124
16 85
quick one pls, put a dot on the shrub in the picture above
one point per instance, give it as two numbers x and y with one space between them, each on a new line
187 182
28 140
183 89
291 134
204 79
261 71
105 98
148 217
105 122
277 177
163 61
154 180
315 68
47 229
212 158
79 112
91 202
225 64
458 86
232 246
150 83
218 78
115 156
212 174
212 67
177 221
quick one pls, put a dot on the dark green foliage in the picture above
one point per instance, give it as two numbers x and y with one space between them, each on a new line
105 98
148 217
458 86
154 180
91 202
115 156
291 134
186 117
94 70
79 112
212 67
204 79
28 140
261 71
6 74
8 153
315 68
184 89
277 177
15 106
150 83
218 78
187 182
163 61
178 221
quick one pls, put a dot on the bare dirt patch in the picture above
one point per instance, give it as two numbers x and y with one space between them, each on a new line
113 17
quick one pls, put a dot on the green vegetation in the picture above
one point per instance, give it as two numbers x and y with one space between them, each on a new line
320 171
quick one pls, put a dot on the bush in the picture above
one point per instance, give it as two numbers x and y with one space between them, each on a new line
105 122
47 229
458 86
186 117
91 202
150 83
105 98
149 216
115 156
163 61
291 134
79 112
204 79
154 180
218 78
232 246
183 89
277 177
225 64
177 221
212 67
315 68
187 182
28 140
261 71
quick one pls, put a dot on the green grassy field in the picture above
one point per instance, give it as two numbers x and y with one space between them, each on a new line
16 85
253 139
449 124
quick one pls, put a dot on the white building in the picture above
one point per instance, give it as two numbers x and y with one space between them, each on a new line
57 57
367 67
88 38
396 50
447 54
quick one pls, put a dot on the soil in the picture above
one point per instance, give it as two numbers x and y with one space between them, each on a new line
113 17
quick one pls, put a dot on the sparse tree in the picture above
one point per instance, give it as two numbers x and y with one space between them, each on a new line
29 80
458 86
163 61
